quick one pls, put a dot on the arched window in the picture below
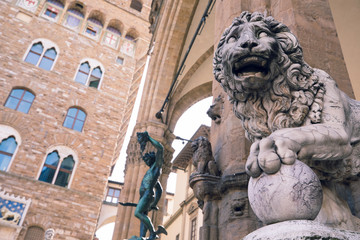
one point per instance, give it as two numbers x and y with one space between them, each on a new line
58 168
75 119
83 73
42 56
34 233
10 141
95 77
74 17
93 28
90 73
48 59
20 100
7 149
128 46
136 4
52 9
112 37
35 53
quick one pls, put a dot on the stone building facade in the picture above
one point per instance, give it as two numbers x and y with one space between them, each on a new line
325 30
69 76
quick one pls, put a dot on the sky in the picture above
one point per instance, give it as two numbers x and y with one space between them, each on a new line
186 126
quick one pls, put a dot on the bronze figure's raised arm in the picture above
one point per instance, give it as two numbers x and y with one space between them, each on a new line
150 189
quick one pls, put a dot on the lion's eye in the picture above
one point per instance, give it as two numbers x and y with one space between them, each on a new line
231 40
262 34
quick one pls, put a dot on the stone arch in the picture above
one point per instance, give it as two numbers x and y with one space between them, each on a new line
133 33
177 97
37 220
117 24
189 99
110 219
97 15
77 5
68 140
14 121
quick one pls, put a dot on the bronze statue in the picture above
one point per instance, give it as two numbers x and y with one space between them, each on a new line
150 189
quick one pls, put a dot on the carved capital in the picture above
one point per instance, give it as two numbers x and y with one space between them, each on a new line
205 186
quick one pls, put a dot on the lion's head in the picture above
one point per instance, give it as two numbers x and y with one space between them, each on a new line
201 144
260 65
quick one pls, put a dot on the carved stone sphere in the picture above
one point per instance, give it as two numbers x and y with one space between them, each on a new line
293 193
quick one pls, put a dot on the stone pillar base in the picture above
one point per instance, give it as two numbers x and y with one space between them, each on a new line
299 230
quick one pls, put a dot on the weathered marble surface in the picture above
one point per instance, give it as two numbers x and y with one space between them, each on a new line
300 230
294 192
289 110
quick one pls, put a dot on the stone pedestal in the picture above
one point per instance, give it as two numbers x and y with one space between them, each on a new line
229 194
206 190
300 229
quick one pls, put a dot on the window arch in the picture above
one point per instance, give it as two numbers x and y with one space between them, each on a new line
74 16
58 166
7 150
113 33
20 100
75 119
94 25
128 46
136 4
34 233
9 143
42 53
90 73
52 9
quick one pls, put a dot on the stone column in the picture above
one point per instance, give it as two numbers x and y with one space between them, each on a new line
125 215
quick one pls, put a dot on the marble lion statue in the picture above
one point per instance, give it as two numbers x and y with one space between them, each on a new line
203 159
288 109
7 215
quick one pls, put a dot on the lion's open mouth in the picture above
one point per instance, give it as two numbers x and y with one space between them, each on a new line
250 66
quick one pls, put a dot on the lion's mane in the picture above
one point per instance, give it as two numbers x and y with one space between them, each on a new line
295 87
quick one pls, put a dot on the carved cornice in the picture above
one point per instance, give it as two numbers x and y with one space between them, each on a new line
205 186
235 181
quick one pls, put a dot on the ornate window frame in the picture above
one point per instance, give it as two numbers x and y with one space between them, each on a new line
47 45
63 152
5 132
93 64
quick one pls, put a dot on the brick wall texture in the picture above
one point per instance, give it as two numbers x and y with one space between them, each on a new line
72 212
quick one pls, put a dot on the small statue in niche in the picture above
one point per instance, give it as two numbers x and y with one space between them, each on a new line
203 159
289 110
150 188
215 110
9 216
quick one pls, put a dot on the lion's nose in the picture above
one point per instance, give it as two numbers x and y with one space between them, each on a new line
247 41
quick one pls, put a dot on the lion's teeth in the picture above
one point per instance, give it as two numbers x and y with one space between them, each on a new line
258 74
